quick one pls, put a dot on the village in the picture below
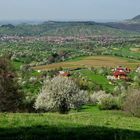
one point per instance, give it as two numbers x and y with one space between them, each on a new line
117 73
69 70
88 78
63 39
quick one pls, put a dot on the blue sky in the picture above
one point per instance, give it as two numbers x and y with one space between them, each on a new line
68 9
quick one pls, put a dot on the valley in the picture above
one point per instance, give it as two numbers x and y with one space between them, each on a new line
70 80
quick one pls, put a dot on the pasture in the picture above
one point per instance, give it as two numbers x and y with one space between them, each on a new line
97 79
88 123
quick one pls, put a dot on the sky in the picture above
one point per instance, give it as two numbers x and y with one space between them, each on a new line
93 10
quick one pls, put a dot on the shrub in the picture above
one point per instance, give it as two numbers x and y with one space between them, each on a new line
138 70
81 83
28 102
109 103
137 80
59 94
96 97
132 103
105 101
25 70
118 90
103 71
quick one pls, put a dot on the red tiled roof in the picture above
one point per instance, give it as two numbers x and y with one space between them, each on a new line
117 73
66 74
120 69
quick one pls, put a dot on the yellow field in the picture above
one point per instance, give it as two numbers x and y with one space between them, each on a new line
95 61
134 49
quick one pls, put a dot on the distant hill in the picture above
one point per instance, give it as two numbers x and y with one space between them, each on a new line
53 28
10 26
129 25
137 18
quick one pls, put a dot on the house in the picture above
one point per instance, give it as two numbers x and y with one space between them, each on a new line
120 72
63 73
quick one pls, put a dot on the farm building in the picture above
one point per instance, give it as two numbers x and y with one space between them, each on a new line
120 72
63 73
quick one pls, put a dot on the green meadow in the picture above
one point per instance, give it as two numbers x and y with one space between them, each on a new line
88 123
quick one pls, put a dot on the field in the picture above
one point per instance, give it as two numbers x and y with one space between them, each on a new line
135 50
95 61
127 52
97 124
98 79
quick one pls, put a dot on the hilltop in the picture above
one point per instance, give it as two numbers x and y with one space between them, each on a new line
128 25
53 28
137 18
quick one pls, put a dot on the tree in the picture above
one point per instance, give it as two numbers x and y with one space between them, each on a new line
25 70
9 95
51 59
59 94
137 80
132 102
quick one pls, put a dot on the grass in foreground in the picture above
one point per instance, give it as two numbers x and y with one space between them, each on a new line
88 123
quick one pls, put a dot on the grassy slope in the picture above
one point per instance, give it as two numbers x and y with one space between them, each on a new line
127 52
89 123
99 79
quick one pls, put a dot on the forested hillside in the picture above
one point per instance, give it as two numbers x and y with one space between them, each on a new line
64 29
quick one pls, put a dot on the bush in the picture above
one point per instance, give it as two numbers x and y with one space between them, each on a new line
105 101
96 97
109 103
103 71
137 80
132 103
120 89
59 94
28 102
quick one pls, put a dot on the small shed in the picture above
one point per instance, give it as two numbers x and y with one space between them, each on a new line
63 73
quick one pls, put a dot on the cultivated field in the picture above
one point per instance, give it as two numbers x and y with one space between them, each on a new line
95 61
135 50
